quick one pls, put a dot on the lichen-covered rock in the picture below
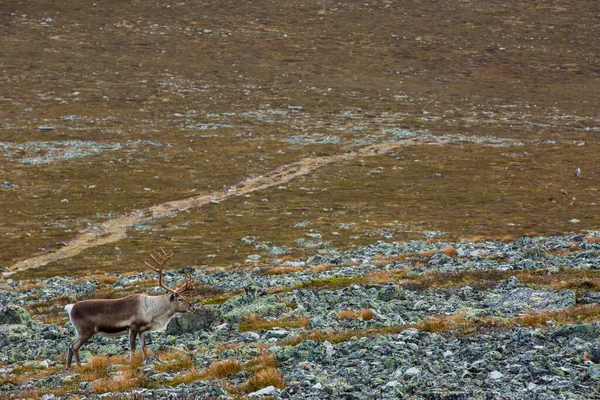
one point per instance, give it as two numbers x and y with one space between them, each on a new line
12 315
239 307
512 297
201 319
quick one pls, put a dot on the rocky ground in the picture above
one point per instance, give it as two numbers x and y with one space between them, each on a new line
270 145
420 319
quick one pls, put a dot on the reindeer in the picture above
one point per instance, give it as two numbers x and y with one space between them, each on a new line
135 314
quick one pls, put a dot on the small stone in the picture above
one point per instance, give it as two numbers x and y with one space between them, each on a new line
250 336
276 333
412 371
532 386
495 375
317 386
268 391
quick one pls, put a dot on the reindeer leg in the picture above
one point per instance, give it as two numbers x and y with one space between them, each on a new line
143 338
133 332
70 353
75 345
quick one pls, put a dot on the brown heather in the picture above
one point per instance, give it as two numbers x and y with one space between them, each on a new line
283 270
173 361
458 325
449 251
222 369
364 313
315 269
106 279
263 378
428 253
347 314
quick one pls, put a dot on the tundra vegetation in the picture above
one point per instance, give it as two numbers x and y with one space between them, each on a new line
377 199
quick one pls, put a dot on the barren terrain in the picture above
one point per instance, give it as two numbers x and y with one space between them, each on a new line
243 135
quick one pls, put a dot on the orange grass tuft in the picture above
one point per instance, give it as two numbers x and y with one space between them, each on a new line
449 251
315 269
364 313
106 279
347 314
283 270
222 369
428 253
263 378
265 360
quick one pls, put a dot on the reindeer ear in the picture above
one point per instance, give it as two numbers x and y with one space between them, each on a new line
172 297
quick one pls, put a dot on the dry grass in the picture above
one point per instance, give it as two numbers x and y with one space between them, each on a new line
263 378
365 314
264 360
22 374
222 369
315 269
188 376
458 325
96 367
449 251
593 239
173 361
255 322
123 381
106 279
380 277
283 270
29 285
347 314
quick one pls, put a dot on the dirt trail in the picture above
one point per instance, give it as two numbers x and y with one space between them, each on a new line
116 229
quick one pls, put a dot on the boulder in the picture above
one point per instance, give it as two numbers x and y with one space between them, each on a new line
202 319
14 315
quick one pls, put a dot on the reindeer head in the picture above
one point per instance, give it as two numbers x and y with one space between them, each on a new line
179 302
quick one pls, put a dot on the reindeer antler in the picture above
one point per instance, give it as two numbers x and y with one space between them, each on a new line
187 285
160 258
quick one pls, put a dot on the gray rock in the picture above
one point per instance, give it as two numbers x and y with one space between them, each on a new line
495 375
201 319
594 352
13 315
238 307
276 333
268 391
250 336
517 299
